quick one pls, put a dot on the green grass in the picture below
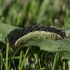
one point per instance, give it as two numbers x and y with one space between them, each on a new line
31 12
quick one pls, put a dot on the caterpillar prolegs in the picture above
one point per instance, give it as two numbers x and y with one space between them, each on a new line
35 32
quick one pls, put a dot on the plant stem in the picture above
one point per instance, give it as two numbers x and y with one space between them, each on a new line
7 49
63 65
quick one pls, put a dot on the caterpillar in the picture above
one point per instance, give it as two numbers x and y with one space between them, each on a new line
35 32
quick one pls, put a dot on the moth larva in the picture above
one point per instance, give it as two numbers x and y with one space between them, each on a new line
36 32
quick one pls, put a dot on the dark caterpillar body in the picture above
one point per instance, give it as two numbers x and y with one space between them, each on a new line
24 33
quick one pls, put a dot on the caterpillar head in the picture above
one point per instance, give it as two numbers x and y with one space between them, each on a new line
63 34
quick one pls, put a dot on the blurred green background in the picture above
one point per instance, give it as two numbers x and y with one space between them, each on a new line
23 13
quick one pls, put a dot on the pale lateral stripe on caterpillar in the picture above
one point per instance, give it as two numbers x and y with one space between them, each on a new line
38 35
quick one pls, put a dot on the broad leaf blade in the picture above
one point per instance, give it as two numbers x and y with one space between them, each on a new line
51 45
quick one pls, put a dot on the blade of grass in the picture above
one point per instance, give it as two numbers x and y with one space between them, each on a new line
12 15
23 61
42 9
69 64
20 60
55 63
7 50
31 5
64 65
1 61
14 57
34 11
65 16
22 15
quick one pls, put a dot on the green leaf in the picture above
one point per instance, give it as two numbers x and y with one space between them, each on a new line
65 54
67 32
51 45
61 46
5 29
